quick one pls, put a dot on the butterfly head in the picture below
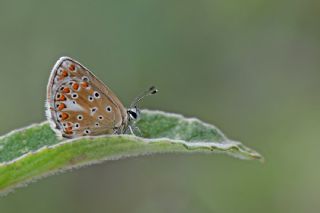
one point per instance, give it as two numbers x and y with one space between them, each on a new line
134 111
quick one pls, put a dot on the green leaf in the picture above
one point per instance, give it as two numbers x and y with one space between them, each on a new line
34 152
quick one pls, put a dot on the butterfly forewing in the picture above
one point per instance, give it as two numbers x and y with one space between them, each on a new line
79 104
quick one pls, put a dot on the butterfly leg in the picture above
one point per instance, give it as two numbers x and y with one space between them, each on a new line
138 131
131 130
134 130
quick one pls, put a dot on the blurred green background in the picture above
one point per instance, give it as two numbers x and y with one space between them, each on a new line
250 67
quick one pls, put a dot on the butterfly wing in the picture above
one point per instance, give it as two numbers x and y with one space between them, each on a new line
79 104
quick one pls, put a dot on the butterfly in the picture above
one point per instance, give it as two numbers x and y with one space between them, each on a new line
79 104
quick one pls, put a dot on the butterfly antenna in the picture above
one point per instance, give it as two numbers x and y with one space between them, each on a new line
151 91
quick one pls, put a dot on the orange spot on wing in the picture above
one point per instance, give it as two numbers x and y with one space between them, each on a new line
72 67
68 132
64 116
61 106
84 84
75 86
69 129
66 90
64 73
62 98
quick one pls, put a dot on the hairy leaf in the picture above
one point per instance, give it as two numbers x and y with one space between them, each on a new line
34 152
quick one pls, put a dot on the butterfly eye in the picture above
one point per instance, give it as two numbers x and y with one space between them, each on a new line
80 117
108 109
90 98
133 114
96 94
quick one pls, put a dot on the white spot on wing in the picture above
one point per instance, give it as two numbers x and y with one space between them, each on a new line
93 110
66 63
74 106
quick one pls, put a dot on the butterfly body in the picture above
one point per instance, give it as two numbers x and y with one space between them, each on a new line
79 104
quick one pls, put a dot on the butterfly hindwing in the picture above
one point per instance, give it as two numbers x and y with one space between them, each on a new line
79 104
